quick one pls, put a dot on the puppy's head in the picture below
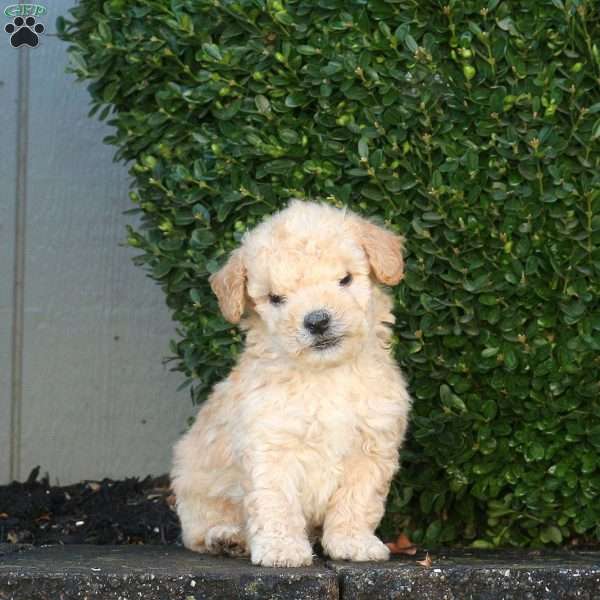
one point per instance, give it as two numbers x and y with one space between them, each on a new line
307 279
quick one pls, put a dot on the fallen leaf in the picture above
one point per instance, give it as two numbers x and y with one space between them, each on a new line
403 541
402 545
425 563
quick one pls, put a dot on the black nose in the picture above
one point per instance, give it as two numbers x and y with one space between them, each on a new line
317 321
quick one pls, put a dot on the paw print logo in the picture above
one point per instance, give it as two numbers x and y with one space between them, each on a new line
24 31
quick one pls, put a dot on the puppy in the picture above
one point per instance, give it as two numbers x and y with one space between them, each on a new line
303 435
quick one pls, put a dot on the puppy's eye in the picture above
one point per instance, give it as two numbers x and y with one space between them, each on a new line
346 281
276 300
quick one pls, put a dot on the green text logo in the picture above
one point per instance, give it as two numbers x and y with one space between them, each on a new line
25 10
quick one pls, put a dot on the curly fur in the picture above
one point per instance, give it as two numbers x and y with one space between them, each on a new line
298 441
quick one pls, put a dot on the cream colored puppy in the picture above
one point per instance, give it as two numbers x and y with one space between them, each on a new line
303 435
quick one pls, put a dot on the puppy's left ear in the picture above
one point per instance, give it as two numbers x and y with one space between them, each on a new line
384 250
229 286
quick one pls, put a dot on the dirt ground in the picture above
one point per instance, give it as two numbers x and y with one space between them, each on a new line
131 511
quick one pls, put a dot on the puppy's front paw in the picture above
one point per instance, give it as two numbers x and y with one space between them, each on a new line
362 547
275 552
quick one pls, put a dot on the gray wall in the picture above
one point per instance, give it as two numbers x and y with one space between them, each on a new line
83 392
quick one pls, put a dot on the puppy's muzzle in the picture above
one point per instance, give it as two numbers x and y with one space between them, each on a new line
317 322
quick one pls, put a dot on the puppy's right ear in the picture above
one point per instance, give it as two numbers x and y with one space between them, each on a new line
229 286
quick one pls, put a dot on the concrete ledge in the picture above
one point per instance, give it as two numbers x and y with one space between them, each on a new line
172 573
6 549
462 575
151 573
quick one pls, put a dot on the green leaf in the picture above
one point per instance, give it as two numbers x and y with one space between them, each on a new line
363 148
104 31
535 451
489 409
489 352
213 51
551 534
372 193
262 103
410 42
307 50
229 111
77 61
451 400
433 532
295 100
110 91
202 238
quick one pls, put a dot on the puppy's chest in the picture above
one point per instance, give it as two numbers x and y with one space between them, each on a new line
331 432
331 418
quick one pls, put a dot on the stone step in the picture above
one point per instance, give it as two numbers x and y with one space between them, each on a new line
172 573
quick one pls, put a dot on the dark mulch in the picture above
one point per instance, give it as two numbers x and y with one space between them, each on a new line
93 512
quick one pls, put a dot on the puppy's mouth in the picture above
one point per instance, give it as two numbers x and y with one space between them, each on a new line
325 343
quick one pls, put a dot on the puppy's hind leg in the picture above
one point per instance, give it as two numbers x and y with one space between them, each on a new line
226 539
211 525
207 489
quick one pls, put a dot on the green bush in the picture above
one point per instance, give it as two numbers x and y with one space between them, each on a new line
471 127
